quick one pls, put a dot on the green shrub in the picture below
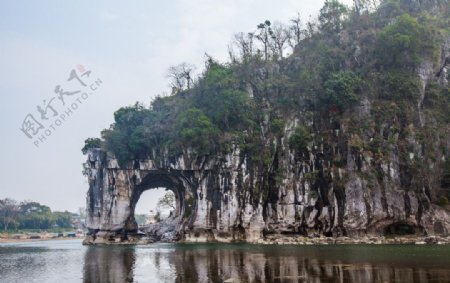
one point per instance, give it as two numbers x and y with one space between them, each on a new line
91 143
443 201
402 44
313 194
399 85
277 126
342 89
299 140
195 130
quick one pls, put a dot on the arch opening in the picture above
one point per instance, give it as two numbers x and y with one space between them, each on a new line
160 197
154 205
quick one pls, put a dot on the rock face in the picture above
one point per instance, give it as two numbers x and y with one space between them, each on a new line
378 169
227 199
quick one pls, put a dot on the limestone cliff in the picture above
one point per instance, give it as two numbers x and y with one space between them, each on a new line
352 145
226 198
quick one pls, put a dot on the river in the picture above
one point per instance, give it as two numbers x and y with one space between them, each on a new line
68 261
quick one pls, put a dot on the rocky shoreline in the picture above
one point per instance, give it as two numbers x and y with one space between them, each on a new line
364 240
406 240
25 240
41 236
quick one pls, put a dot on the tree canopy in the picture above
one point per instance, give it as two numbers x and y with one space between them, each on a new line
31 215
320 69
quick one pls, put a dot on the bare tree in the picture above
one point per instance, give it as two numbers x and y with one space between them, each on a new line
365 5
280 37
244 43
296 31
311 27
82 212
9 209
181 76
168 200
231 54
209 61
264 35
358 6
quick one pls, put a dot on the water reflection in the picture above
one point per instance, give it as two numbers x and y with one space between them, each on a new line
244 263
113 264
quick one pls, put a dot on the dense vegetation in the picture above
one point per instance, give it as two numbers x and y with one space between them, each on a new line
345 56
31 215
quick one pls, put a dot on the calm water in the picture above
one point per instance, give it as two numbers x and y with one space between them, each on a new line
69 261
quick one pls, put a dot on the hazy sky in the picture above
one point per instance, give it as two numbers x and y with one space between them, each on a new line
129 46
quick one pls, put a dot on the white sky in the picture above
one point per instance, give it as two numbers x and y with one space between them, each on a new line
129 45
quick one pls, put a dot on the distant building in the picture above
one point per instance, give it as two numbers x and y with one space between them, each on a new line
78 222
151 218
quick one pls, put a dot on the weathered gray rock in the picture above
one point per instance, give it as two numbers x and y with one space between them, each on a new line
339 186
164 231
218 200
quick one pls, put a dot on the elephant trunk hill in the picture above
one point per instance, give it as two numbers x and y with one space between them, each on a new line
348 137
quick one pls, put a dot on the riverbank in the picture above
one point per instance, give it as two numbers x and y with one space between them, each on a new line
7 241
405 240
281 240
44 236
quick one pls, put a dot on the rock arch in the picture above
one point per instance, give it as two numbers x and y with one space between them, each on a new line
162 179
226 198
114 193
